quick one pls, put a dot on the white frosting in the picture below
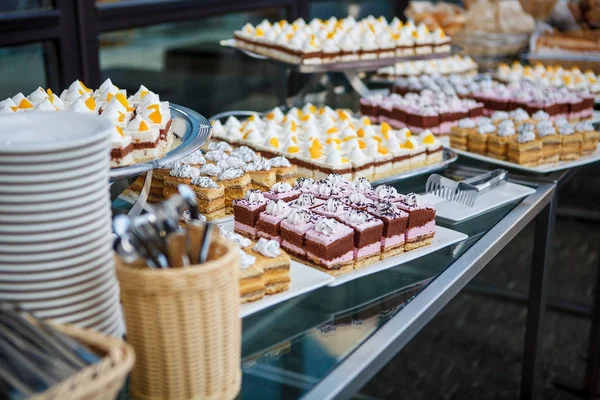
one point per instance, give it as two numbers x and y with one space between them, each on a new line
210 170
361 184
333 205
277 208
281 187
254 196
44 105
357 198
231 173
385 191
6 109
238 239
185 171
268 248
246 260
327 226
38 96
79 106
204 182
357 217
279 162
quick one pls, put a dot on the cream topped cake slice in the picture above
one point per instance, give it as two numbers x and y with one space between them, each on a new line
330 246
420 228
368 231
246 212
269 220
394 227
294 228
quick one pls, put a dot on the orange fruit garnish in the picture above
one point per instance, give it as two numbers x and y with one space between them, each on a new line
293 149
25 104
120 130
143 126
155 117
274 142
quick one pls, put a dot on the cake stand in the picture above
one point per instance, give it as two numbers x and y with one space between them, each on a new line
190 130
350 69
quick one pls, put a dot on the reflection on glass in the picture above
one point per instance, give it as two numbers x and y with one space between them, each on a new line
22 5
185 63
358 9
22 69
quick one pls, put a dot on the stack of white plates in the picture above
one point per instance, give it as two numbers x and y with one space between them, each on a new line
55 219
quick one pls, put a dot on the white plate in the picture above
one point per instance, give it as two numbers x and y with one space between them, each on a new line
17 243
34 280
59 260
52 226
55 250
452 212
54 157
60 297
444 237
98 162
50 208
26 167
58 196
53 212
541 169
84 309
55 186
31 132
303 280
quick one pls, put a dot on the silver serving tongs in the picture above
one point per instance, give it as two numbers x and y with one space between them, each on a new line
466 191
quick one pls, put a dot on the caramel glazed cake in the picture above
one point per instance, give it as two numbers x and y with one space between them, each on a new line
335 225
142 123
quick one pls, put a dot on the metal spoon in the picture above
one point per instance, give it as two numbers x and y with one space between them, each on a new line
189 197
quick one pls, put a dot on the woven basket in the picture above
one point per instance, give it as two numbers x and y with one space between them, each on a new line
99 381
185 327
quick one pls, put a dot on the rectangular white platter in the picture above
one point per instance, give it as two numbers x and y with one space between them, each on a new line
304 279
540 169
451 212
444 237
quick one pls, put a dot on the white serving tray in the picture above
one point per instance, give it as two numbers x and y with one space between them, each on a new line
451 212
541 169
303 280
444 237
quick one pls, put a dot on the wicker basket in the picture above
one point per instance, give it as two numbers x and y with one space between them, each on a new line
99 381
185 327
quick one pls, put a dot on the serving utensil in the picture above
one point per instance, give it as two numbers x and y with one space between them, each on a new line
464 192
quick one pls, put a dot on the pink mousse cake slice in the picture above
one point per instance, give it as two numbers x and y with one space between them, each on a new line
246 212
420 228
332 208
293 230
367 236
328 190
306 201
330 246
394 227
269 220
282 191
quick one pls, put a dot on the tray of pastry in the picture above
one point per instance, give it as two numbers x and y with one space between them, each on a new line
340 45
531 145
320 141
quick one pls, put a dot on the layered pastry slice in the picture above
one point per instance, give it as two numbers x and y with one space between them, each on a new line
459 134
261 174
590 137
478 140
330 246
275 264
571 143
268 224
394 227
433 147
121 148
526 150
181 174
252 278
420 228
246 212
284 170
146 139
551 142
236 183
367 236
497 146
294 228
210 197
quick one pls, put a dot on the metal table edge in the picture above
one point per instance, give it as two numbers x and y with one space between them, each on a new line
362 364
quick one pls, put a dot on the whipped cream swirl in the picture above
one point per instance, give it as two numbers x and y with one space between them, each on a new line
268 248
